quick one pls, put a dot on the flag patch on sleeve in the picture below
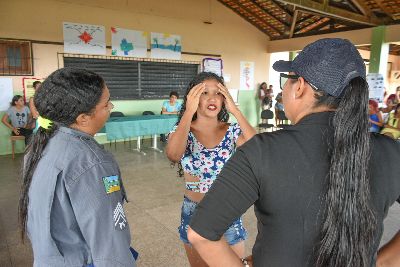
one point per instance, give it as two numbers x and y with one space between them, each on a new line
111 184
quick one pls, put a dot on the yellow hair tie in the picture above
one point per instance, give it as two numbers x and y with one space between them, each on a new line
44 123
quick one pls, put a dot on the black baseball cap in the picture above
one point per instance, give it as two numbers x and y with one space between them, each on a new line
327 64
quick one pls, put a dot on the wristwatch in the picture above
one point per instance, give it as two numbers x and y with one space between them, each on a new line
245 263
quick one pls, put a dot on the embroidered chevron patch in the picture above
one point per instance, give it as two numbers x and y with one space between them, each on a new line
119 217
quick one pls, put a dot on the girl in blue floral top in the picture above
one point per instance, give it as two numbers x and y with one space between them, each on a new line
202 142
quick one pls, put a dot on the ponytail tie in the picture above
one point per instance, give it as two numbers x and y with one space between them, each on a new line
44 123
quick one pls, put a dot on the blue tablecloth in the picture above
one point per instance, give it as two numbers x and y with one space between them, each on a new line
132 126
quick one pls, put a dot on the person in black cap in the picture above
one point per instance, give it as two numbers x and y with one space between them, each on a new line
320 188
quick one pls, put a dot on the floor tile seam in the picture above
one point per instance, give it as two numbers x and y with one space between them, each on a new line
150 208
160 223
9 254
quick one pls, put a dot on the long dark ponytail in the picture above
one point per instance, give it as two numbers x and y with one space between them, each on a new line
349 220
64 95
223 115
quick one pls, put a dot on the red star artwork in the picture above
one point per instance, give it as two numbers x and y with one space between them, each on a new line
86 37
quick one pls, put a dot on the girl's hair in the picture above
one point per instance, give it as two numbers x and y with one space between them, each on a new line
63 96
374 104
396 109
223 115
261 85
349 220
15 99
391 97
175 93
35 83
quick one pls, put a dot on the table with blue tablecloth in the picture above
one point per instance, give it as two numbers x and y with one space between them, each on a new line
137 126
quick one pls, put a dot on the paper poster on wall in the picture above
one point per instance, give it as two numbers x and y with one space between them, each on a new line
6 93
165 45
84 39
129 43
213 65
246 75
27 86
376 86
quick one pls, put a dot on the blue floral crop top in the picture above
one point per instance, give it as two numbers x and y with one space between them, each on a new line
205 163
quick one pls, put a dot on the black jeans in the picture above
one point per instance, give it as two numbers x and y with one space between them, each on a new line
24 132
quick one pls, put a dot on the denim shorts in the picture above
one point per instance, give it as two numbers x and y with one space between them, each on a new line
235 233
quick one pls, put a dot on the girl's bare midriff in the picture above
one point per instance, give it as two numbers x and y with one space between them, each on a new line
195 196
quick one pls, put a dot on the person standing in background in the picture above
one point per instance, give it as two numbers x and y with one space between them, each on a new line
278 106
35 114
263 95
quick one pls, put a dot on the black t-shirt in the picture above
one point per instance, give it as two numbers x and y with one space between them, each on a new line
284 174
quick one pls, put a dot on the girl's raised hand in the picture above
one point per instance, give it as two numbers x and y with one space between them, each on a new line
193 98
228 100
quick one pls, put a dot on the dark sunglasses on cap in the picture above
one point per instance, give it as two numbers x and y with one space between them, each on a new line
284 77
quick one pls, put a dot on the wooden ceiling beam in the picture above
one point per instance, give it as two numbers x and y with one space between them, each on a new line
360 4
283 7
313 26
245 18
321 25
296 12
310 33
304 18
311 14
383 7
255 16
334 12
270 14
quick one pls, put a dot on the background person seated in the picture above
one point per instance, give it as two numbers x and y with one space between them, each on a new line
171 106
20 117
375 117
391 103
392 127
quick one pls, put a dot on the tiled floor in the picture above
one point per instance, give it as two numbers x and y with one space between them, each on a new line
155 193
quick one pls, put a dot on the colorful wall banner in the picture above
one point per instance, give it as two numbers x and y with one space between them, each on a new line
84 39
246 75
167 46
128 43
